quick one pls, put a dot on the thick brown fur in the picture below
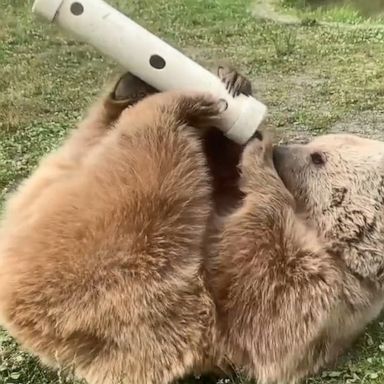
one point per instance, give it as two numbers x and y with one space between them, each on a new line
113 259
290 295
101 248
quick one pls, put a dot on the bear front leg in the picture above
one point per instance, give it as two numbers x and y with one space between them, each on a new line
276 288
259 177
223 154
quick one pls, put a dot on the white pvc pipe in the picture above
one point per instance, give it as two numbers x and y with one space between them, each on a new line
149 58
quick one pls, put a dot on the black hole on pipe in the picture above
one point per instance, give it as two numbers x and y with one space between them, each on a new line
77 9
157 62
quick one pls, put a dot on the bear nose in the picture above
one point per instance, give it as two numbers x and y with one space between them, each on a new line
279 155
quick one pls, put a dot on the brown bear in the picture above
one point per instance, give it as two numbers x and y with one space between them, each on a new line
102 248
113 260
299 268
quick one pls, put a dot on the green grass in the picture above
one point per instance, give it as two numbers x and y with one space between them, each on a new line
353 12
314 79
344 14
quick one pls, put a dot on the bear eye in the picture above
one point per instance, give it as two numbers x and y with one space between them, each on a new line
318 158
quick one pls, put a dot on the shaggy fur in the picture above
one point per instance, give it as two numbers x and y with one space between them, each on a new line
297 275
101 248
132 255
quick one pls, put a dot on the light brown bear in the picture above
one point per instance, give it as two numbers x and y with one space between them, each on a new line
298 279
113 261
102 248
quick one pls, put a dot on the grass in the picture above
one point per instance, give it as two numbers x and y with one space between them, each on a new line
315 79
352 12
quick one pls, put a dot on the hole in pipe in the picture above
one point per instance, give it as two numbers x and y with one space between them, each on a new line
77 9
157 62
